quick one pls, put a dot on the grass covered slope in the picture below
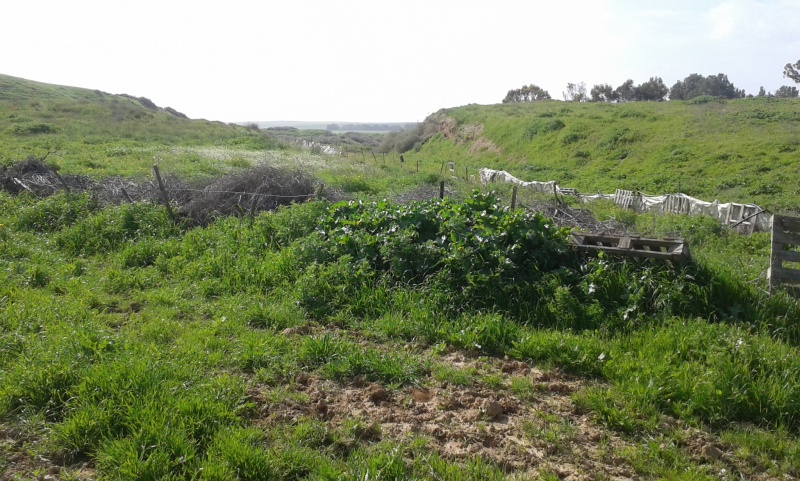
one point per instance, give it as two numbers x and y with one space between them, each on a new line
289 345
96 133
745 150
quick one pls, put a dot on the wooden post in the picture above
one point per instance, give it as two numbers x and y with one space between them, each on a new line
441 190
514 198
555 193
253 204
127 197
164 195
466 174
418 165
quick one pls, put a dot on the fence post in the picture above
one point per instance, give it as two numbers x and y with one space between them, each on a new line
514 198
253 204
164 195
441 190
127 197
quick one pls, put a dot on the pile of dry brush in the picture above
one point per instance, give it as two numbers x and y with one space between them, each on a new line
248 192
260 188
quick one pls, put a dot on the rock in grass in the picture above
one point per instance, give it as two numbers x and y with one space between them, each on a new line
711 452
492 409
377 393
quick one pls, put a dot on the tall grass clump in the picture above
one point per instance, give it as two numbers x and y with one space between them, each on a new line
110 228
56 212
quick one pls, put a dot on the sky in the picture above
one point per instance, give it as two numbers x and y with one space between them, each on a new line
378 61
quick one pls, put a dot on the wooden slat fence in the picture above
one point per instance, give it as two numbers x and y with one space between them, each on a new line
785 249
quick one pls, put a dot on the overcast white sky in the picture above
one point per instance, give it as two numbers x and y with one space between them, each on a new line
372 60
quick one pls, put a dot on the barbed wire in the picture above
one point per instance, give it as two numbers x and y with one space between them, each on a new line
277 196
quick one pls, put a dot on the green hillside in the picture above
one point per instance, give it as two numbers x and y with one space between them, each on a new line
96 133
410 337
745 150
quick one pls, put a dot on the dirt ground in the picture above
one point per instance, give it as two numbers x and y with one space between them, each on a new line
540 431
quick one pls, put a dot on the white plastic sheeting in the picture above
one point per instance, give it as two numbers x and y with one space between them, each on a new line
748 216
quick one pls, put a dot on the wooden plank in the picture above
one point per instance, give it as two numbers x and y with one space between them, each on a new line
630 253
788 223
780 238
786 256
792 275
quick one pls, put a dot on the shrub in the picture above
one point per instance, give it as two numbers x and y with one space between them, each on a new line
56 212
113 226
33 129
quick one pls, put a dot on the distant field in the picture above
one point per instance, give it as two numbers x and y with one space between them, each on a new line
356 126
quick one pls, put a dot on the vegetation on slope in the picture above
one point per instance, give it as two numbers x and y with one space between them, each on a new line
135 346
743 150
122 330
99 134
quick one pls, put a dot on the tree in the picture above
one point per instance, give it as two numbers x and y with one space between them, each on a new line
602 93
575 92
528 93
762 92
696 85
786 92
792 71
653 89
689 88
625 92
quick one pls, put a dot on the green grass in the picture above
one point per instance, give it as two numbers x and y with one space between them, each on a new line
151 350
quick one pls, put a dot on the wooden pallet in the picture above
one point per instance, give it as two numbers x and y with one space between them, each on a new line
785 248
673 250
624 198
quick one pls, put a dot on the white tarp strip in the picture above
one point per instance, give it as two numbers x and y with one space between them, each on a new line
729 213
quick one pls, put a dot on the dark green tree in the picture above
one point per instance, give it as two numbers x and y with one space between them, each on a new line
792 71
625 92
696 85
786 92
689 88
762 92
602 93
528 93
652 90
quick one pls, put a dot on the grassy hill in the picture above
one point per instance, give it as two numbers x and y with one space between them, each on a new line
745 150
96 133
451 339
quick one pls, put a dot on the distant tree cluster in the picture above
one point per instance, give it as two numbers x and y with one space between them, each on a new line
786 92
652 90
696 85
528 93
